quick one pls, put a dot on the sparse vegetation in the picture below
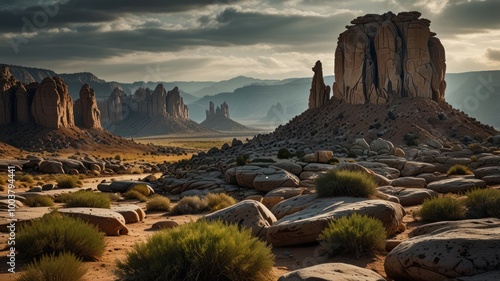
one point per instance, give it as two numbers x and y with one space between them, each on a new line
442 209
54 233
283 153
242 160
134 194
39 201
351 154
141 188
190 205
481 203
63 267
113 197
345 183
88 199
219 201
410 139
26 178
334 161
355 235
158 203
442 116
200 250
66 181
459 169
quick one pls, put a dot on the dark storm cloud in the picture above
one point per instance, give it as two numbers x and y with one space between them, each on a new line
493 54
13 16
231 28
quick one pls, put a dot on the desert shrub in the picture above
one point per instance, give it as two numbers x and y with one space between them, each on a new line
158 203
219 201
351 154
442 116
63 267
442 209
39 201
134 194
283 153
300 154
26 178
118 157
3 179
242 160
54 233
87 199
134 171
459 169
63 197
200 250
355 235
190 205
141 188
480 202
494 208
345 183
410 139
334 161
65 181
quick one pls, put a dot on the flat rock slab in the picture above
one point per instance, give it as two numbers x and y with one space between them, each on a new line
131 213
414 168
408 196
247 213
261 179
486 171
23 215
123 186
109 222
285 192
456 185
293 205
409 182
447 250
332 271
305 226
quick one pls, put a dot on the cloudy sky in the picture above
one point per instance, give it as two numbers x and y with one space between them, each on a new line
131 40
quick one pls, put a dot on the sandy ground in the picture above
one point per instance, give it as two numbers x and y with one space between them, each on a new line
286 258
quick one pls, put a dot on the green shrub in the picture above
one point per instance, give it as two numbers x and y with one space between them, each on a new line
345 183
134 194
459 169
494 208
65 181
355 235
88 199
334 161
141 188
442 209
283 153
63 197
39 201
242 160
219 201
63 267
480 202
26 178
54 233
410 139
351 154
190 205
200 250
158 203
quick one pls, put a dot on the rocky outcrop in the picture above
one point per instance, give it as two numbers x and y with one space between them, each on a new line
222 110
87 113
319 93
23 100
381 57
52 105
112 109
218 119
7 95
175 105
332 271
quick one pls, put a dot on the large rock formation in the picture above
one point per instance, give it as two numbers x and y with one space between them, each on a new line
7 95
222 110
218 119
112 109
87 113
319 93
52 105
381 57
175 105
158 102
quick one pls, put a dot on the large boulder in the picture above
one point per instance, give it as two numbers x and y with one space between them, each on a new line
247 213
447 250
51 167
262 179
109 222
330 272
409 196
456 185
305 225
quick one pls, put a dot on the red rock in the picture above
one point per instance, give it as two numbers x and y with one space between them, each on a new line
319 93
87 113
52 105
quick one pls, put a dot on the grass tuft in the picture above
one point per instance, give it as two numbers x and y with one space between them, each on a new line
39 201
345 183
65 181
87 199
481 203
219 201
459 169
442 209
63 267
190 205
158 203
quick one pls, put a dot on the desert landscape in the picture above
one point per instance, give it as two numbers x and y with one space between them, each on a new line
377 163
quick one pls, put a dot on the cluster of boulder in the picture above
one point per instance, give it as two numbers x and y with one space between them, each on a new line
48 104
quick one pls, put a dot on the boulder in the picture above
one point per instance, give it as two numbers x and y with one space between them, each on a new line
413 168
291 167
305 225
409 196
381 146
332 271
51 167
262 179
409 182
456 185
109 222
487 171
132 213
164 224
447 250
247 213
319 93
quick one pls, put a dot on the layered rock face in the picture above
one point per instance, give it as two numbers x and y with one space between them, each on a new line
222 110
112 109
52 105
381 57
175 105
87 113
319 93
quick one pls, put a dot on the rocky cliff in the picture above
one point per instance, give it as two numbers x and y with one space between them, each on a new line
222 110
175 105
319 93
87 113
218 119
382 57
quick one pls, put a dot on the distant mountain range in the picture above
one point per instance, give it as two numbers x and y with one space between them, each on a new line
475 93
